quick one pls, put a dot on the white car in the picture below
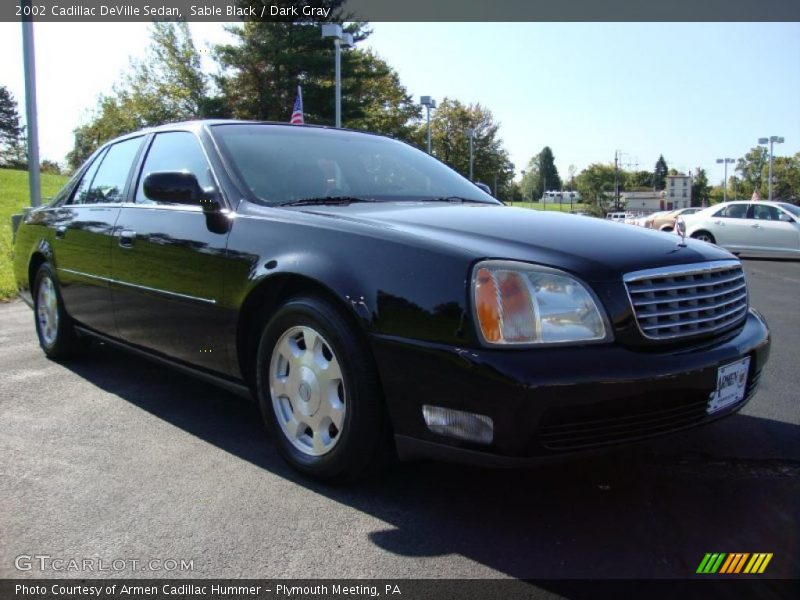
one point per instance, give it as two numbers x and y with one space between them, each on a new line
748 227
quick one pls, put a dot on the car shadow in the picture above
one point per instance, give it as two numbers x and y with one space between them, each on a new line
651 510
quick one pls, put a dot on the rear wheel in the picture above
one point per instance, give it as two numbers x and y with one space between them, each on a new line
54 327
704 236
319 394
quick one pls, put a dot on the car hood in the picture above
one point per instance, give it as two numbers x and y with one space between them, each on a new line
595 249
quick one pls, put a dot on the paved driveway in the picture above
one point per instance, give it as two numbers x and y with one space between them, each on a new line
117 458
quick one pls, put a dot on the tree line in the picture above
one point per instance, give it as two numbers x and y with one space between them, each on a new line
599 183
257 77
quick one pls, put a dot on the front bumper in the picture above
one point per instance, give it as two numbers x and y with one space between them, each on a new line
551 401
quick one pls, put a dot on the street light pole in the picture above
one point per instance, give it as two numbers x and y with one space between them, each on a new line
334 30
471 134
726 162
773 139
337 44
31 114
428 103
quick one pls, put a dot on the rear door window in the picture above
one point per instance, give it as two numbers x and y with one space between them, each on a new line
733 211
105 184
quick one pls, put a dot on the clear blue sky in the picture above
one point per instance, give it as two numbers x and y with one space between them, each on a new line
693 92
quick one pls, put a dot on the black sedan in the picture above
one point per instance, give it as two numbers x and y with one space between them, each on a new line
377 304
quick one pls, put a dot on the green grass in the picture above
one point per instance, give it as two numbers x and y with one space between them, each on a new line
556 207
14 196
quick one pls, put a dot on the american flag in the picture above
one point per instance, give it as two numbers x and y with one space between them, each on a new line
297 111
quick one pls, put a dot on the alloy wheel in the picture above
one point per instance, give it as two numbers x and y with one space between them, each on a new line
47 311
308 392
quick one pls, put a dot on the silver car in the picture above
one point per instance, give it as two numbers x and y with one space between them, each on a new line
744 227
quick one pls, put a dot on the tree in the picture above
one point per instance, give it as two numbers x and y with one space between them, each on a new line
637 180
596 186
50 166
700 188
753 170
12 140
267 62
786 173
450 143
660 174
548 172
167 85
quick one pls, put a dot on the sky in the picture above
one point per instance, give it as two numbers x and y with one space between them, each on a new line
692 92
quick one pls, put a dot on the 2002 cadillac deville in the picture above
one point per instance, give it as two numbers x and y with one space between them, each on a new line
375 302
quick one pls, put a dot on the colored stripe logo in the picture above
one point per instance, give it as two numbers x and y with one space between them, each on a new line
734 563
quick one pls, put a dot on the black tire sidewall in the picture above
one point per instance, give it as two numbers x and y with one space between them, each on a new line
364 416
710 240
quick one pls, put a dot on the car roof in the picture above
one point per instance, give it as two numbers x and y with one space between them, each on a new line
197 125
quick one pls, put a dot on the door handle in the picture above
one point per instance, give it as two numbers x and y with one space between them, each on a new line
126 238
61 231
718 223
756 226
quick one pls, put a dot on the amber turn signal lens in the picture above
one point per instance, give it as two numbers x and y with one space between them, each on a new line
487 305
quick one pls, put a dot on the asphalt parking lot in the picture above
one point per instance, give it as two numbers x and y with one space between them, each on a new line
115 457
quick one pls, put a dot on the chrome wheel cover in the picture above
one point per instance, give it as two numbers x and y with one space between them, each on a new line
47 311
704 238
308 394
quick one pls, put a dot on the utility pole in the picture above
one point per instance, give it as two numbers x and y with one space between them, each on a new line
616 179
31 114
471 135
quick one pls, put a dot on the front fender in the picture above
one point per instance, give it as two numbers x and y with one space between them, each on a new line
394 287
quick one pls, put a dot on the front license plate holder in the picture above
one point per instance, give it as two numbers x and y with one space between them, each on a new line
731 385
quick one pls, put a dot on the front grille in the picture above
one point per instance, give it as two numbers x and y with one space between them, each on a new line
688 300
575 428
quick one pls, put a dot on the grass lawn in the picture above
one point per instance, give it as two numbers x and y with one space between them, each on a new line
13 197
556 207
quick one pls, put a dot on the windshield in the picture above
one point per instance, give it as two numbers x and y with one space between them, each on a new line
283 163
790 208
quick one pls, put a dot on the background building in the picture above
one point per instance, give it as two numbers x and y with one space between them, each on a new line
678 191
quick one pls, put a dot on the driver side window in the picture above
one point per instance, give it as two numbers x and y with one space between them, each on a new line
174 151
766 213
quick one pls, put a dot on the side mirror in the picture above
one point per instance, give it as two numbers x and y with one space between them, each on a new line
483 187
786 218
178 187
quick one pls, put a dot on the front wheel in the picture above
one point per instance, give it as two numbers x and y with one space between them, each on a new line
704 236
319 394
54 327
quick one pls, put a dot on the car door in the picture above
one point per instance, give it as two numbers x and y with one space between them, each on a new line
84 229
168 264
773 230
731 228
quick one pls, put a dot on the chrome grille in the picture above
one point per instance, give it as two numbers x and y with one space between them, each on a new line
688 300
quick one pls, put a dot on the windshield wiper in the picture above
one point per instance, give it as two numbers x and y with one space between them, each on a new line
326 200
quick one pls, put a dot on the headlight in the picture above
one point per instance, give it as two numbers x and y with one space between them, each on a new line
518 303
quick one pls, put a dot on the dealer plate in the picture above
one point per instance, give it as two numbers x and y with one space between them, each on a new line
731 385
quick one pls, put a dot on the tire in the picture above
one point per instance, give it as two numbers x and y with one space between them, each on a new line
666 228
319 393
54 327
704 236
